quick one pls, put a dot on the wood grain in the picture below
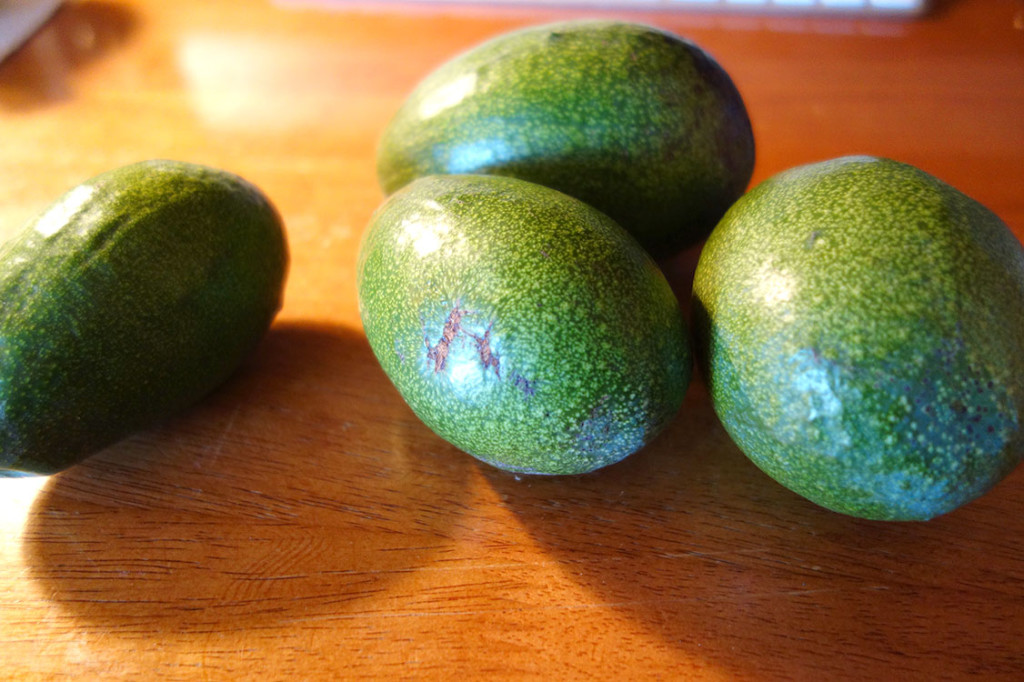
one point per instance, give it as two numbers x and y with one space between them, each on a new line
302 524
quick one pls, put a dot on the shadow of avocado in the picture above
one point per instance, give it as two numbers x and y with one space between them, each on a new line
701 548
937 8
679 270
279 497
41 71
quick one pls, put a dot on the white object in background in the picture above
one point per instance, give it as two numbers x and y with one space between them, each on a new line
21 18
848 8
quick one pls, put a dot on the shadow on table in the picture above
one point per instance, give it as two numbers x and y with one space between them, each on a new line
41 71
296 491
702 548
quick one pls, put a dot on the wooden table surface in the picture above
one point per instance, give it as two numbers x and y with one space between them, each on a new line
300 523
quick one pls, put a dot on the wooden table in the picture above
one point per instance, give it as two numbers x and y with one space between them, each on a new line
302 524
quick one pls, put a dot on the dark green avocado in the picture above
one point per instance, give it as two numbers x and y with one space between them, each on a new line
861 327
131 297
520 324
635 121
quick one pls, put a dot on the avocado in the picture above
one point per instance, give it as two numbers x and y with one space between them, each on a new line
640 123
131 297
522 325
860 324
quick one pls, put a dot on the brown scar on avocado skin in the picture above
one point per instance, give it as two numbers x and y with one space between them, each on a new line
438 354
489 359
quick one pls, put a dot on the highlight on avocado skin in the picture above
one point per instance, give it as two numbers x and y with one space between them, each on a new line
640 123
520 324
861 327
128 300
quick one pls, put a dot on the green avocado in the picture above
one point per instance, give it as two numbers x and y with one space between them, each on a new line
131 297
635 121
522 325
861 327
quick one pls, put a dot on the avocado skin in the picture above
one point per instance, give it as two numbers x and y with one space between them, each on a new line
860 324
521 325
635 121
130 298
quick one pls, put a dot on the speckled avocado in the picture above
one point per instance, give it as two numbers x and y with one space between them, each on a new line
520 324
861 326
130 298
637 122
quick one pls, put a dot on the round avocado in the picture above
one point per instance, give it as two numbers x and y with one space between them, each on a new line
640 123
130 298
522 325
861 327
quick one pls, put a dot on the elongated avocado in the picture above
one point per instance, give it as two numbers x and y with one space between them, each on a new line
520 324
638 122
861 326
130 298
